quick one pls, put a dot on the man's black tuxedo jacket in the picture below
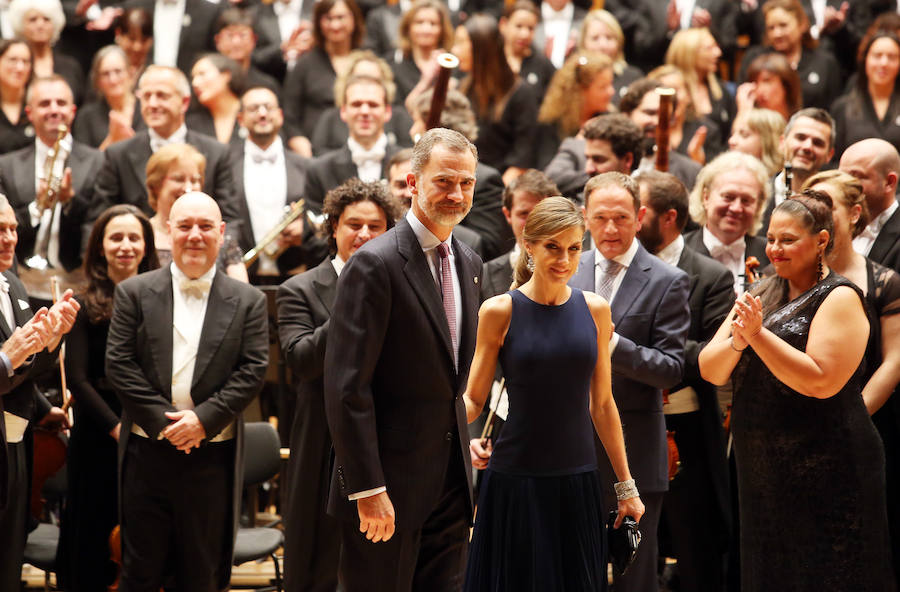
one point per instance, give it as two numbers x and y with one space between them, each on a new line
313 250
650 312
198 30
392 395
711 298
755 246
123 176
232 357
332 169
886 248
496 277
18 394
17 183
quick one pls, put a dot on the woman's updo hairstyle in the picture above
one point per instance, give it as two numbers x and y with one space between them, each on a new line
813 209
850 193
551 216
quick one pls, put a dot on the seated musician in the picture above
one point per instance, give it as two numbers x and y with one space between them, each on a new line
267 178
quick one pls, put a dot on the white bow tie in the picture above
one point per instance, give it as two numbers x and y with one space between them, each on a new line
733 252
361 157
261 157
194 288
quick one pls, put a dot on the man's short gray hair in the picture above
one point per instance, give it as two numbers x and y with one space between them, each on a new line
181 82
439 136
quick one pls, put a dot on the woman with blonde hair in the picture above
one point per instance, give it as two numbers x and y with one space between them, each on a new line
552 536
424 33
601 32
696 53
757 132
581 89
172 171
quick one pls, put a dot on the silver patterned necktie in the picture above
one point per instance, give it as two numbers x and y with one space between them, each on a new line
611 269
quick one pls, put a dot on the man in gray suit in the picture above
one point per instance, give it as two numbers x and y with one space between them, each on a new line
649 304
187 352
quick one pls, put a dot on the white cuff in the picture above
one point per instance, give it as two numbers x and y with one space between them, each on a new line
366 493
34 214
613 342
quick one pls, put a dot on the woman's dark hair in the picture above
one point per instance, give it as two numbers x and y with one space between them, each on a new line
812 209
98 295
491 81
323 7
549 217
135 18
6 44
860 93
351 192
237 85
446 40
777 64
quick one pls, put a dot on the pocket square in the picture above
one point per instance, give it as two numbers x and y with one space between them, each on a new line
23 304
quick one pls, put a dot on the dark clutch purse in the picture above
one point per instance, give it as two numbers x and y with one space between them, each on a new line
623 542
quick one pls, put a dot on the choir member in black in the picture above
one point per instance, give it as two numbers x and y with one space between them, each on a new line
39 23
236 39
218 84
757 132
518 24
134 34
871 109
331 131
770 84
357 212
601 32
15 74
788 33
882 288
579 90
810 464
505 107
338 29
284 33
695 136
114 115
696 53
120 246
382 23
424 33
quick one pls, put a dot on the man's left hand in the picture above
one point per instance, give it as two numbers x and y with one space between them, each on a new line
292 235
186 432
55 420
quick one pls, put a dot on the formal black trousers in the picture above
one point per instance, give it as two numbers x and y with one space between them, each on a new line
694 524
429 559
176 516
13 518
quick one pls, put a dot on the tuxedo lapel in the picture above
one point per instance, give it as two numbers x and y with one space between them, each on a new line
79 156
345 167
21 309
220 310
138 156
418 273
296 177
636 277
325 285
686 264
584 275
24 174
158 321
888 235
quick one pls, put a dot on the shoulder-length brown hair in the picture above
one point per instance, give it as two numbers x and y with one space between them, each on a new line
446 40
98 294
322 7
491 80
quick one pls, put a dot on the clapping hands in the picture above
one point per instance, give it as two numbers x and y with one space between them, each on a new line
747 322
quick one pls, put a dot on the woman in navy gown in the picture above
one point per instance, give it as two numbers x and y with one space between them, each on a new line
540 520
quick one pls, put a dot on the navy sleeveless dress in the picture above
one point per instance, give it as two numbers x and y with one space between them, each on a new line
540 523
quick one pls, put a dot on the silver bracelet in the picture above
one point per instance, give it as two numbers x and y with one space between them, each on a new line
626 490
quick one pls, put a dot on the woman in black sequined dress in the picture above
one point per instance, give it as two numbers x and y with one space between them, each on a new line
810 463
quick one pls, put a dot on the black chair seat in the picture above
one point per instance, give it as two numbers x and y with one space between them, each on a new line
40 548
256 543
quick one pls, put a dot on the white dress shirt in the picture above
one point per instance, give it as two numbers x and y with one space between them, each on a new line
686 11
863 243
42 222
368 161
6 28
179 136
624 260
265 186
558 27
288 14
671 253
338 264
732 256
168 18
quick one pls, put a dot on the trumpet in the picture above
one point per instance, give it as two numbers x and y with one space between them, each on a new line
54 171
269 244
